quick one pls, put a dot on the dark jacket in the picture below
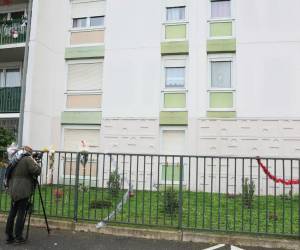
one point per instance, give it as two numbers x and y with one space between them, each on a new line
21 181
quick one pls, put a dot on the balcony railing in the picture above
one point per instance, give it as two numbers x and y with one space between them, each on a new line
12 32
10 100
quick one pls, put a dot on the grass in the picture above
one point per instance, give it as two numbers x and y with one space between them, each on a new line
204 211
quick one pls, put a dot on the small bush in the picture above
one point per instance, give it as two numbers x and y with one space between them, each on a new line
248 193
114 183
100 204
83 188
170 201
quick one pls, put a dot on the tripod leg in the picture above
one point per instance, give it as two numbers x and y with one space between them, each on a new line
42 202
29 212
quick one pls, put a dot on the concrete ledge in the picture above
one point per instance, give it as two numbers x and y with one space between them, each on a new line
197 237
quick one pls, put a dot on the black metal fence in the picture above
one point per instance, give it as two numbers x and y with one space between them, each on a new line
226 194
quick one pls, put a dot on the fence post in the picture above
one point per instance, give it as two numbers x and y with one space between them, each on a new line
180 194
76 187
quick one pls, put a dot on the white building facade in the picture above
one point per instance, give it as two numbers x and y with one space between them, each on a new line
195 77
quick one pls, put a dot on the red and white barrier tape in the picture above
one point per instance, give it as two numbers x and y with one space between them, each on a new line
274 178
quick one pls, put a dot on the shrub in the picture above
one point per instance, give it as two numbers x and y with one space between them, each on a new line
83 188
114 183
100 204
6 137
170 201
248 193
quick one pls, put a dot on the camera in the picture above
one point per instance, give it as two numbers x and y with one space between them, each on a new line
38 156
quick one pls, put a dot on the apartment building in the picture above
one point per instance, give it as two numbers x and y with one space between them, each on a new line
13 32
205 77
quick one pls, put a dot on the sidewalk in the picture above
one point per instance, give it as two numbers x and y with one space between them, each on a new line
70 240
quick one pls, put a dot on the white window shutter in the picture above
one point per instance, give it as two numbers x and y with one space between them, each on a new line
173 141
73 137
85 76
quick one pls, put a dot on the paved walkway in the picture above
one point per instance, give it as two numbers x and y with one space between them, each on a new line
68 240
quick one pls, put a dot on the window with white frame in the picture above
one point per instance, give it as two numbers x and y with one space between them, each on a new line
220 9
221 91
88 22
10 77
174 77
175 14
220 74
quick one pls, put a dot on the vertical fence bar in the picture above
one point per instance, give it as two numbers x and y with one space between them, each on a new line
299 200
143 197
150 207
76 187
258 200
243 191
275 197
157 193
219 196
227 169
129 201
189 193
291 196
180 194
284 198
234 205
211 191
203 198
267 199
136 188
196 209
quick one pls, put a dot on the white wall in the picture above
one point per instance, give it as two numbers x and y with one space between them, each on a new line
132 59
268 49
46 73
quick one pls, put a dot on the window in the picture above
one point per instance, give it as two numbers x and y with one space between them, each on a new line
221 92
10 78
176 13
79 22
97 21
220 8
175 77
86 22
221 74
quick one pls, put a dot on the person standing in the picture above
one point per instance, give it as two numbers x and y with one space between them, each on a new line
20 188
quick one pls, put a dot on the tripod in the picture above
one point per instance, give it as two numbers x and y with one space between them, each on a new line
29 210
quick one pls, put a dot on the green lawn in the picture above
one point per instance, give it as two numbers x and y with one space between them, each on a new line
200 210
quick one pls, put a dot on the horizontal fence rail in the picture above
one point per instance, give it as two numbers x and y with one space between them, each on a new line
226 194
13 31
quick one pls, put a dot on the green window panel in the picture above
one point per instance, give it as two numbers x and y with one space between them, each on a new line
175 48
84 52
221 114
221 100
221 29
81 117
10 99
175 31
221 45
174 100
173 118
170 172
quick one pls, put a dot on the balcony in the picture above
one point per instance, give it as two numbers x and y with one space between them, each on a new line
10 100
12 32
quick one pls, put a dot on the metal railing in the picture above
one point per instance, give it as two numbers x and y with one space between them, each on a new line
10 99
225 194
13 31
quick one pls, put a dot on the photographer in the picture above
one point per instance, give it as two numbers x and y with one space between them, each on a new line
20 187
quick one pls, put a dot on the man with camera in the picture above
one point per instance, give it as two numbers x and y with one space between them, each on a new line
20 187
